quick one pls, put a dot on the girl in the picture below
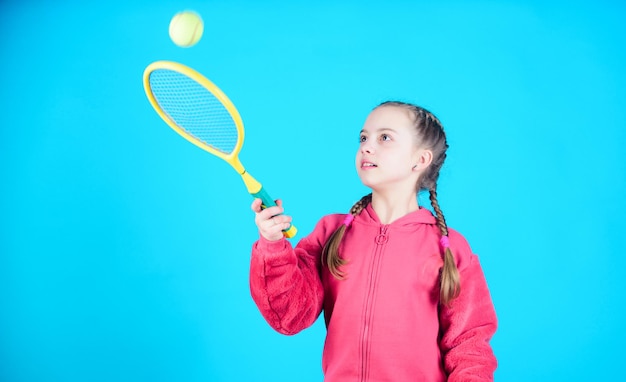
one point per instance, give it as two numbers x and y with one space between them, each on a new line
404 297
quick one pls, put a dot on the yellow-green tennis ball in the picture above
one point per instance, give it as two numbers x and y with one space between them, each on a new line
186 28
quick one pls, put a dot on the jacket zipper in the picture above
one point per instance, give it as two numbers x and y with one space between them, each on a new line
368 307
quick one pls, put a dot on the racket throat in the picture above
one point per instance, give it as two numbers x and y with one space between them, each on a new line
252 184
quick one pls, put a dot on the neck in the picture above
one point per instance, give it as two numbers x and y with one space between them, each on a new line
392 206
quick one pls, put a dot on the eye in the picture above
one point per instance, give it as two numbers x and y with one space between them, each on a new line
385 137
362 138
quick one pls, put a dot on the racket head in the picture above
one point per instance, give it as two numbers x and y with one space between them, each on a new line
196 109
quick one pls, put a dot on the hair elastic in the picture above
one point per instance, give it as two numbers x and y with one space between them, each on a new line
445 242
348 220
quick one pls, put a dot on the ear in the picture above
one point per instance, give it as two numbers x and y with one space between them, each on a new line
422 159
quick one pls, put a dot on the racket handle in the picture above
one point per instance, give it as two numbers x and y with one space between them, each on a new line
267 201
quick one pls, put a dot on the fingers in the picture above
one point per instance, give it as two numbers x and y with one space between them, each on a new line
271 221
256 205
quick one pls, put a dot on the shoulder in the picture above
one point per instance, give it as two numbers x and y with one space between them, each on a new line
333 220
461 249
325 227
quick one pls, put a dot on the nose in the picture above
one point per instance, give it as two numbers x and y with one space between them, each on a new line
367 147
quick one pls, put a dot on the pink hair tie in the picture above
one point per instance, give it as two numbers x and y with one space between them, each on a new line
445 242
348 220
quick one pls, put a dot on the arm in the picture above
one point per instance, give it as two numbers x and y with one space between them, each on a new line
285 283
467 326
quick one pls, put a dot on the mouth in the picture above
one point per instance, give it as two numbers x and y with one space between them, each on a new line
368 165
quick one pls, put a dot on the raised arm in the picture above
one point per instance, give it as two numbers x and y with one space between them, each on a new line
285 282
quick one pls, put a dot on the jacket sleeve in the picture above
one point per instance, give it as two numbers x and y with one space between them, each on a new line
285 282
467 327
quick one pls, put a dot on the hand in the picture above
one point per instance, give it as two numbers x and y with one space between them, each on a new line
270 221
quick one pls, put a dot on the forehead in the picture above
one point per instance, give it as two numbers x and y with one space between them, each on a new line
389 117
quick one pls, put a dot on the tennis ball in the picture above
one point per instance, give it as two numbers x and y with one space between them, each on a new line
186 28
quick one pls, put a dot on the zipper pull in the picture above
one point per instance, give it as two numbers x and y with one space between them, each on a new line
382 238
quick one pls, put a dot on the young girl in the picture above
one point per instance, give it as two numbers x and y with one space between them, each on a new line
404 297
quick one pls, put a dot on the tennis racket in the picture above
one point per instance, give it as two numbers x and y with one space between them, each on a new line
200 112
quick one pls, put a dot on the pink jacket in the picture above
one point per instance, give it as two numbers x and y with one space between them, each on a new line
384 321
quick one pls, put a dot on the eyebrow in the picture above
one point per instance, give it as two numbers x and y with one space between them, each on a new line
382 129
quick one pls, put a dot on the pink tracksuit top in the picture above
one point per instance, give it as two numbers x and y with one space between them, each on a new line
384 320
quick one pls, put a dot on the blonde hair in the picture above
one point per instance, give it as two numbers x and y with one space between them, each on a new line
431 135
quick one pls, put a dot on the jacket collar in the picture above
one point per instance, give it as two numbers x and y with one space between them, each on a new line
421 216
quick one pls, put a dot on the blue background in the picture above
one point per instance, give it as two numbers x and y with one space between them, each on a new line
124 249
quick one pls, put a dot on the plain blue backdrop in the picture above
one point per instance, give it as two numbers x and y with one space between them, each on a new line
124 250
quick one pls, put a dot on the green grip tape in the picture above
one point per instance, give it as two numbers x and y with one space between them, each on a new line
267 201
265 198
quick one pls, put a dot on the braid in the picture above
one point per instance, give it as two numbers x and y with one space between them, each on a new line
450 280
432 136
361 204
431 117
441 220
331 249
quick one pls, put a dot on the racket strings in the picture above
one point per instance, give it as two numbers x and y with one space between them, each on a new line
194 109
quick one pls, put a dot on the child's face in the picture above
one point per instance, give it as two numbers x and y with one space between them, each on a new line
388 150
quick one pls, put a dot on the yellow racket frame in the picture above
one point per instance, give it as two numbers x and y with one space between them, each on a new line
254 187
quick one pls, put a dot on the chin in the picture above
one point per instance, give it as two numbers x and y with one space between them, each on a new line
366 182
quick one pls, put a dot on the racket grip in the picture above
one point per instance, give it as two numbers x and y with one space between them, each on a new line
267 201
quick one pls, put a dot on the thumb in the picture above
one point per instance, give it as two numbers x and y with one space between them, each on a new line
256 205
